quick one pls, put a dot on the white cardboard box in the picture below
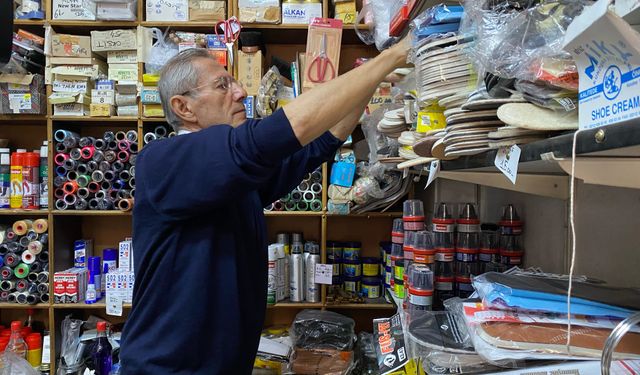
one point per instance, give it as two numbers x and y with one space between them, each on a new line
300 13
607 53
116 11
629 10
124 256
70 109
74 10
167 10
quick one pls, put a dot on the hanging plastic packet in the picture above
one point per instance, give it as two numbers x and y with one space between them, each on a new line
161 51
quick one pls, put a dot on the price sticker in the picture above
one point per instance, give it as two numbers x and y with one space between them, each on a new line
434 169
507 160
114 305
323 274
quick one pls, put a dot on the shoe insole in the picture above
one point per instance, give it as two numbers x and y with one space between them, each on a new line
529 116
423 146
489 103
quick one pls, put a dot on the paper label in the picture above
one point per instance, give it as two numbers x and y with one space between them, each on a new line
507 160
20 102
18 87
434 169
122 57
123 72
74 10
391 351
114 305
295 13
70 86
77 70
323 274
167 10
46 349
113 40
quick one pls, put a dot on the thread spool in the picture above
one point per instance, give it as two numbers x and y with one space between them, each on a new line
61 205
70 187
83 181
132 136
21 227
125 205
35 247
160 131
75 154
150 137
70 199
22 285
21 271
100 144
43 277
81 204
60 158
10 235
86 141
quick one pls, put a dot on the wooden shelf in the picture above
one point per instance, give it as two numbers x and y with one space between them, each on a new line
94 119
370 214
274 26
362 306
293 213
7 305
24 212
23 22
82 305
94 24
154 119
91 213
296 305
23 118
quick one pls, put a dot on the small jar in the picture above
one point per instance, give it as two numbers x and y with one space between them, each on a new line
370 267
351 250
352 284
371 287
351 268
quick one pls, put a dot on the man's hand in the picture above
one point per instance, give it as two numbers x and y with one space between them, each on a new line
400 51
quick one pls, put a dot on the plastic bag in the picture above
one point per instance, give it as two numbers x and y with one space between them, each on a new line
321 362
315 329
380 10
161 52
12 364
270 85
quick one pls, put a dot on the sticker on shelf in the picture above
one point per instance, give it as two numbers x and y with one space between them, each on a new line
114 305
324 274
434 169
507 160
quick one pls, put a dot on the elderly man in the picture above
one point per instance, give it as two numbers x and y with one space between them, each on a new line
198 225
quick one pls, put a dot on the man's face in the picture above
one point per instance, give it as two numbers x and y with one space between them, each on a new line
212 102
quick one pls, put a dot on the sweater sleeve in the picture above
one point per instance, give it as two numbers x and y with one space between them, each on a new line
293 169
197 172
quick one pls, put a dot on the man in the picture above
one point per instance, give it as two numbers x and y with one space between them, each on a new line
198 225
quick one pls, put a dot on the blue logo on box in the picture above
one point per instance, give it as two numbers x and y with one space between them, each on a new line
612 82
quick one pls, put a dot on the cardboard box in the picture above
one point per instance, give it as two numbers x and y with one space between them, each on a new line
168 10
124 256
150 95
300 12
101 110
267 11
250 106
346 11
122 57
70 45
22 94
62 60
74 86
114 40
128 110
103 97
120 284
82 251
73 109
250 71
68 97
607 53
73 10
105 84
70 286
116 11
152 110
90 71
205 10
629 10
123 72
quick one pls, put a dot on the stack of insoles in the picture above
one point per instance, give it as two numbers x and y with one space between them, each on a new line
393 123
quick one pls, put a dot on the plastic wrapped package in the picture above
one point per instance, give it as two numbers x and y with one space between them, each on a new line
365 355
29 9
270 84
161 51
12 364
119 10
321 362
315 329
547 96
441 19
381 12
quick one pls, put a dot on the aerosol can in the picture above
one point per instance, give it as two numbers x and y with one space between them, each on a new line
296 274
312 292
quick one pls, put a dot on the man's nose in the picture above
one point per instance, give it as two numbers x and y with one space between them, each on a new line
239 93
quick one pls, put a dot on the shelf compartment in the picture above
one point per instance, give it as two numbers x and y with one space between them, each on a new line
26 118
367 306
4 212
25 22
293 213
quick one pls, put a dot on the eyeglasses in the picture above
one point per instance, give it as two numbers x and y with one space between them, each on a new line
222 84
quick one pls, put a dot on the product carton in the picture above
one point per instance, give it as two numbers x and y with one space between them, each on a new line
168 10
204 10
73 10
250 71
607 53
300 13
70 45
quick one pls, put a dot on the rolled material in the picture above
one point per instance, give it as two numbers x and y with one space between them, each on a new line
93 187
97 176
83 193
37 266
61 205
269 207
87 152
304 186
44 286
290 206
10 234
109 175
81 204
33 298
132 159
172 134
133 193
44 298
94 204
7 285
43 277
28 257
70 164
117 166
86 141
125 205
6 273
132 171
124 145
308 196
60 171
83 180
70 199
43 257
75 154
149 137
70 142
21 298
60 158
121 136
70 187
105 204
60 135
302 206
123 156
132 182
32 235
59 193
35 247
82 169
21 271
4 296
104 166
160 131
32 277
316 205
102 194
100 144
133 147
296 196
123 194
24 241
59 181
113 194
72 175
3 251
22 285
132 136
61 148
112 145
92 166
118 184
316 187
12 297
109 136
278 206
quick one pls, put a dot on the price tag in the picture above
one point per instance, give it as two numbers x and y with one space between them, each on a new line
507 160
434 169
20 102
114 305
324 274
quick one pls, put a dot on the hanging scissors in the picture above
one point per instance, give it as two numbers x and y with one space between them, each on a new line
230 33
322 64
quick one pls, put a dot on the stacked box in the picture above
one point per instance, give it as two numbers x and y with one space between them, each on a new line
70 286
120 284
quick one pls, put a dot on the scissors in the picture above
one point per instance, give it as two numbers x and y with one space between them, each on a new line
230 33
322 64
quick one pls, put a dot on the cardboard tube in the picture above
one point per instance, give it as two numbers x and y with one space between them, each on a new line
125 204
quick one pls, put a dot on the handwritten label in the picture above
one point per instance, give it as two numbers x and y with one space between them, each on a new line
323 274
70 45
20 102
113 40
114 305
122 57
71 109
101 110
77 70
167 10
507 160
123 72
70 86
434 169
74 10
103 97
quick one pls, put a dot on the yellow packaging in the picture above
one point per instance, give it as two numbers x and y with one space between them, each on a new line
346 11
16 186
34 357
370 269
381 97
150 79
152 110
101 110
431 118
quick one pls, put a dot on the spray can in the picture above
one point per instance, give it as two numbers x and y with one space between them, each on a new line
31 181
296 286
5 178
16 179
283 238
272 253
312 291
44 175
280 293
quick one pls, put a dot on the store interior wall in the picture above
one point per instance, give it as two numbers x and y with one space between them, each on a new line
607 226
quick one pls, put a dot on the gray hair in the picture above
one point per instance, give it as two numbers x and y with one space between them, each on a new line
178 76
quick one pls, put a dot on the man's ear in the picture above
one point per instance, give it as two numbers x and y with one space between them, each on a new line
182 108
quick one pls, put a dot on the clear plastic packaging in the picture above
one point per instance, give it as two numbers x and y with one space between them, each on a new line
315 329
161 51
12 364
413 215
380 10
270 84
321 362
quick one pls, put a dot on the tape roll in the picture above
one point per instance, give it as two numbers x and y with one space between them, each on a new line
302 206
83 180
33 298
70 199
44 238
21 271
43 256
33 276
10 234
6 273
83 193
81 204
316 187
44 298
60 158
150 137
132 136
120 136
308 196
28 257
75 154
316 205
126 99
43 277
32 235
58 193
22 285
86 141
37 266
316 176
125 205
4 296
60 135
61 148
290 206
61 205
13 246
7 285
100 144
35 247
43 287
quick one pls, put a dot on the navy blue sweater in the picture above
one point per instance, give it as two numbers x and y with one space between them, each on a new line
199 244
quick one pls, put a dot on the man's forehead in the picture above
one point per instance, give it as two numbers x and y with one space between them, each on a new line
209 68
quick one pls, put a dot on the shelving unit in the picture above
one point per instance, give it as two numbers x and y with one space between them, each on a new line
107 228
